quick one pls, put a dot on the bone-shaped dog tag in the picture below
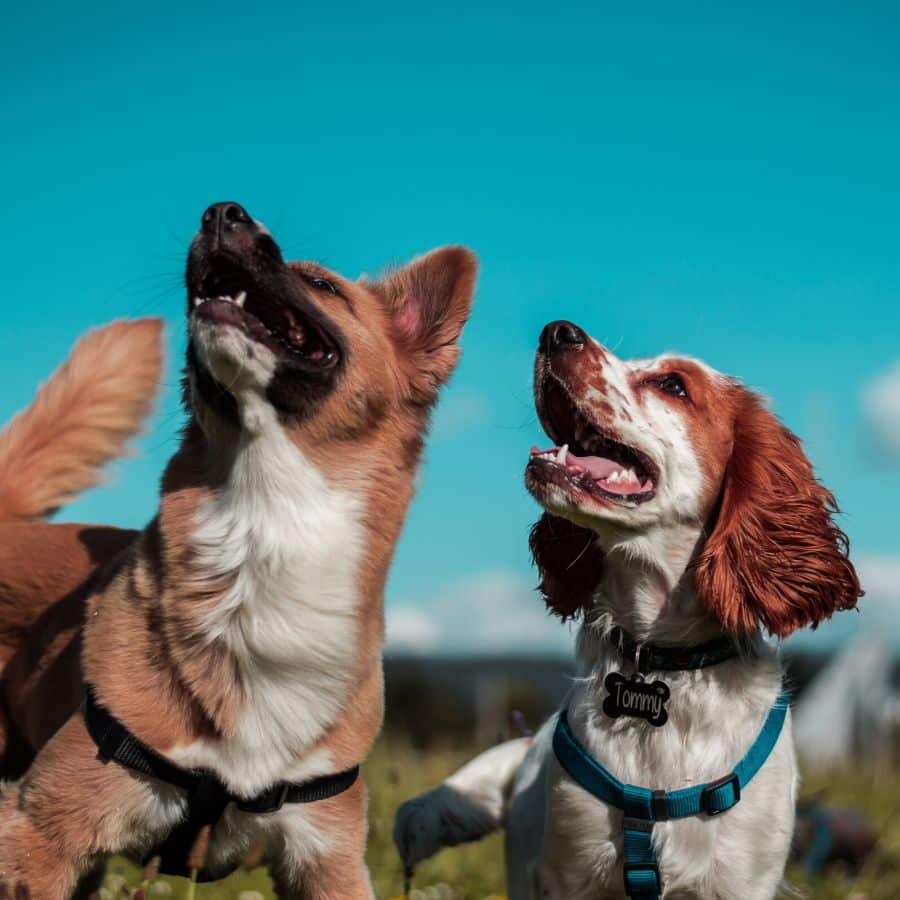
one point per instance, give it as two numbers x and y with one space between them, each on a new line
635 697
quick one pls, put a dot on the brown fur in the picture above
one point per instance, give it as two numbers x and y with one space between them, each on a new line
42 609
774 556
569 562
124 611
80 419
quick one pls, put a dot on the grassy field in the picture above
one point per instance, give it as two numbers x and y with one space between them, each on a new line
396 771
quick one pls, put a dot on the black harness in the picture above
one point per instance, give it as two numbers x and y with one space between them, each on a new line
207 794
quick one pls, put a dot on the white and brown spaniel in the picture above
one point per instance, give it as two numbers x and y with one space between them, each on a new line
680 513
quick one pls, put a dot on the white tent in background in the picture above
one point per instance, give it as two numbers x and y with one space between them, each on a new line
848 710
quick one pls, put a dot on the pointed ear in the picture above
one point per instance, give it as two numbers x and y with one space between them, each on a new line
429 301
570 565
775 557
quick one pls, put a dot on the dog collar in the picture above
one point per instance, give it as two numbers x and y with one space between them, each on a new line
207 794
663 658
643 807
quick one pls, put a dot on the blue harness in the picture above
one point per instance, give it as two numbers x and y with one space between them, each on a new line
643 807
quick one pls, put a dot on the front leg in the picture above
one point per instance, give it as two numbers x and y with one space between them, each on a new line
333 879
69 809
323 848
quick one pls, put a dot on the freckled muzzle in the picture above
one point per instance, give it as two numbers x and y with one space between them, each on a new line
587 460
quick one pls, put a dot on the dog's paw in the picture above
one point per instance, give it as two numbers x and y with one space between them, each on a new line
418 828
440 818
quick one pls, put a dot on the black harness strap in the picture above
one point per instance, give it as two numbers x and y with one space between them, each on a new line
207 794
116 743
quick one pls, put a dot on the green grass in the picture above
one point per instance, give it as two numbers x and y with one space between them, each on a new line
874 790
396 772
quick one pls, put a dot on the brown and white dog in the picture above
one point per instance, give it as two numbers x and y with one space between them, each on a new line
679 509
240 632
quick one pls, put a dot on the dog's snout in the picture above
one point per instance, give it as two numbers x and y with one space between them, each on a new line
222 218
562 335
228 228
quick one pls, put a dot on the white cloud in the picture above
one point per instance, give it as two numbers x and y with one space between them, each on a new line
880 608
412 630
881 405
880 577
878 614
485 613
498 612
459 411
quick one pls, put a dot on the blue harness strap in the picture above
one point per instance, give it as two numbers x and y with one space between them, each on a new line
821 843
643 807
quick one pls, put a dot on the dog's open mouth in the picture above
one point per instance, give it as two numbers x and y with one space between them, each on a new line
228 296
586 458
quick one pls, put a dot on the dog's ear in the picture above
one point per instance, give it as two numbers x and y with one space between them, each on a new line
774 556
429 301
569 562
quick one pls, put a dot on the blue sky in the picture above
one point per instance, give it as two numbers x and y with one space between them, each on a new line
720 182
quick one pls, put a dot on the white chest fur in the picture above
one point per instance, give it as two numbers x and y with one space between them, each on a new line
292 543
714 718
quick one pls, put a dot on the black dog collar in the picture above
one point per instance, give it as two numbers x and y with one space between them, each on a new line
632 696
658 658
207 794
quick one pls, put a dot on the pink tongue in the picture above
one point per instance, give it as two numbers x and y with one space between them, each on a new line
596 466
600 469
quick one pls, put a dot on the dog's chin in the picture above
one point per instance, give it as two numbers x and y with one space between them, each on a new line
563 497
235 378
236 362
207 399
228 374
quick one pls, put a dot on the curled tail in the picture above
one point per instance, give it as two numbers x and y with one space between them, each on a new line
80 419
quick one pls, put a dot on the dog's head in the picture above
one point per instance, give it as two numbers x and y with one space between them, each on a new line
648 444
348 369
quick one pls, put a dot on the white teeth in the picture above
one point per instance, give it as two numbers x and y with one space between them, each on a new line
622 476
225 298
561 456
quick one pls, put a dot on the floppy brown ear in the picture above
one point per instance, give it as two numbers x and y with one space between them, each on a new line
429 301
569 562
774 557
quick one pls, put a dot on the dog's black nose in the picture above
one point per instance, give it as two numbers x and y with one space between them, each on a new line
561 335
221 218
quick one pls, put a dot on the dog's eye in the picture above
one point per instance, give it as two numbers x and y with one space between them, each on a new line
672 384
323 284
